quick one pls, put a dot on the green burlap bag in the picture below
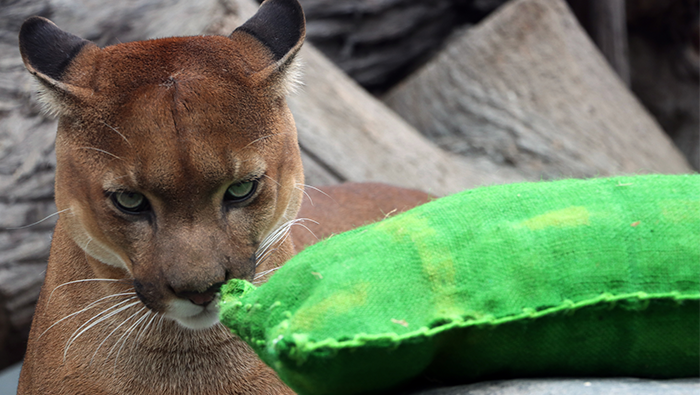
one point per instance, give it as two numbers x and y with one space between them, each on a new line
598 277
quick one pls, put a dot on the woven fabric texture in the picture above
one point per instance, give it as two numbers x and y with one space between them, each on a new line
595 277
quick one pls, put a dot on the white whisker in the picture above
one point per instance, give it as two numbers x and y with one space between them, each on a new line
110 335
265 273
278 236
39 221
91 305
96 316
74 337
101 150
300 222
296 186
146 327
116 131
81 281
260 139
127 334
318 190
273 180
139 334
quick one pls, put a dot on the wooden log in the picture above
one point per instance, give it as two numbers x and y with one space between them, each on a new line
378 42
527 89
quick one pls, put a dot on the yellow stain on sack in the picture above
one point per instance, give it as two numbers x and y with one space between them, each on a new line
564 218
435 256
679 211
337 304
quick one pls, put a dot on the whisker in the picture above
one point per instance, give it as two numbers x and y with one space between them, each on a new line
273 237
318 190
309 230
284 236
81 281
265 273
260 139
110 335
139 334
75 337
273 180
87 244
296 186
39 221
148 326
101 150
88 307
116 131
280 232
160 322
127 334
278 236
96 316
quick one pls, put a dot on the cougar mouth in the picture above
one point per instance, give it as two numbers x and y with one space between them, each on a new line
193 316
194 311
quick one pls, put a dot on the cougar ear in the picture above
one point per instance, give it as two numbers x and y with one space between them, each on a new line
47 52
271 38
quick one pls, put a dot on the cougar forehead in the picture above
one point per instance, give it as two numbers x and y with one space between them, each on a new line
176 112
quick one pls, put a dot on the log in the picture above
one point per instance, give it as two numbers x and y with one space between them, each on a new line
527 90
378 42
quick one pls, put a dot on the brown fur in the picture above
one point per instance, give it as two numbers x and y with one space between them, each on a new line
339 208
178 120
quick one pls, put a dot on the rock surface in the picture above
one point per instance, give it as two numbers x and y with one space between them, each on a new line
593 386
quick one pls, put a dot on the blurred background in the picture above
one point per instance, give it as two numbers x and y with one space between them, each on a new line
439 95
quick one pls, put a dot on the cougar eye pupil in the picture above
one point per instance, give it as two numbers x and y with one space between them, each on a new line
130 202
240 191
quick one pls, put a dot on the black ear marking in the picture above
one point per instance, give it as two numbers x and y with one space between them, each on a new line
47 49
279 25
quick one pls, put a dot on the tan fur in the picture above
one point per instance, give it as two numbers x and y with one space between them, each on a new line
334 209
178 120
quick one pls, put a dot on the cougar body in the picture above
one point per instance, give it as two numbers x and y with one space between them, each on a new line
178 168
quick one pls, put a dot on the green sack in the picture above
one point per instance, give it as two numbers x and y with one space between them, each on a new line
593 277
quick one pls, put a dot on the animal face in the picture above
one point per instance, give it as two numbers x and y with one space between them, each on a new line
177 160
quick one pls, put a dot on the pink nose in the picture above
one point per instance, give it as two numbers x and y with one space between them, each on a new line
201 298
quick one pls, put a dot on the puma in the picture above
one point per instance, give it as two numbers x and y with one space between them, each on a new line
178 168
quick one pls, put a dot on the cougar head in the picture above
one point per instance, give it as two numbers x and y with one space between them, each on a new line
178 165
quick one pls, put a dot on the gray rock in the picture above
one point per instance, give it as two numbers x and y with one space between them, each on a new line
593 386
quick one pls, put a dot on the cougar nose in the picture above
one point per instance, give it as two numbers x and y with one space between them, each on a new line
201 298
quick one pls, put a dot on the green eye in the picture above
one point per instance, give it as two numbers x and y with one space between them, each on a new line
130 202
240 191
